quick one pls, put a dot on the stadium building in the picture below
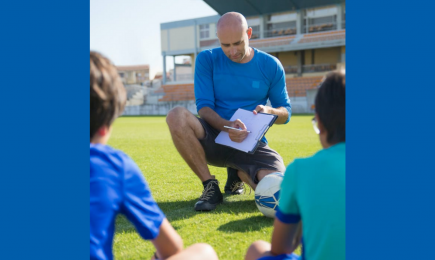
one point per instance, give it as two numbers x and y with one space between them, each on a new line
308 37
134 74
133 78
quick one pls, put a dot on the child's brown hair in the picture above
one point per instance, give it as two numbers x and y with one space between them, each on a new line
108 95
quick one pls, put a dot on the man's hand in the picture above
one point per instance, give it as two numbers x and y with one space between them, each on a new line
262 109
281 112
237 136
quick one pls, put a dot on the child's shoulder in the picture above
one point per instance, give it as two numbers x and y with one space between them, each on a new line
325 159
301 165
104 154
102 149
337 150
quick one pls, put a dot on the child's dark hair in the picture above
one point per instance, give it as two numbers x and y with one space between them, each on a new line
330 106
108 96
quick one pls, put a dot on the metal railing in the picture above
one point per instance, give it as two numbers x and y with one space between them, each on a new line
291 69
255 34
320 27
279 32
318 68
310 68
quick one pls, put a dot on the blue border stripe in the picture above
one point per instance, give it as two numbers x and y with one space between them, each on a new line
44 180
287 218
389 130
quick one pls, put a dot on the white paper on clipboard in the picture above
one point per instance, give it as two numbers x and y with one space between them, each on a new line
257 124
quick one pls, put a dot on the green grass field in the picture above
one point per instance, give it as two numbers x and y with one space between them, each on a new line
235 224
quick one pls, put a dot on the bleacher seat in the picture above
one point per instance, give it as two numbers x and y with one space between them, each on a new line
323 36
131 90
135 95
177 92
275 41
297 87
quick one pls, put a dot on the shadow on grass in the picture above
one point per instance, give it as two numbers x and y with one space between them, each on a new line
176 210
123 225
249 224
185 209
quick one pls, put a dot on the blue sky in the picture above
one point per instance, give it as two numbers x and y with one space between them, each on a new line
128 31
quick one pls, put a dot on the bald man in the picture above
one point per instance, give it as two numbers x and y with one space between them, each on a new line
227 78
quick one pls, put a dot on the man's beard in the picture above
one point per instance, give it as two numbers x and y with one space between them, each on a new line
239 60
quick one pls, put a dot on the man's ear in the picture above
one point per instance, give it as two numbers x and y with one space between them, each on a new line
249 32
103 131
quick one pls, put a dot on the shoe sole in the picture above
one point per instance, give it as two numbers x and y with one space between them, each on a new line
229 192
207 207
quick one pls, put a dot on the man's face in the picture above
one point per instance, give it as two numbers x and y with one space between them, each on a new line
234 42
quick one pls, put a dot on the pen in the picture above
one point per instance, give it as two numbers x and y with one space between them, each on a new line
229 127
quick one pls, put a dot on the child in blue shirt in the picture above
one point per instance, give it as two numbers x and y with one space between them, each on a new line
117 184
312 197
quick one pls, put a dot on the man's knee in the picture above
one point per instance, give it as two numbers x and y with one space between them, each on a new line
176 117
182 122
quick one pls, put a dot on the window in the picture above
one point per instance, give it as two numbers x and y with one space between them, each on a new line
321 19
321 12
281 29
255 31
323 23
204 31
281 17
281 24
253 21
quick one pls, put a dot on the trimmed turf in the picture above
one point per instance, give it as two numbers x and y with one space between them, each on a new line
235 224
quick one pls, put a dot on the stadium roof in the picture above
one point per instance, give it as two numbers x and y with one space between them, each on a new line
258 7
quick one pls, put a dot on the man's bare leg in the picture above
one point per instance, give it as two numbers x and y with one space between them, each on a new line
262 173
248 180
185 131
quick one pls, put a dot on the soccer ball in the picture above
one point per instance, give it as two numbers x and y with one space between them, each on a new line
267 194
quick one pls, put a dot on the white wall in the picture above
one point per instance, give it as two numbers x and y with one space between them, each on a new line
162 108
164 39
299 106
182 38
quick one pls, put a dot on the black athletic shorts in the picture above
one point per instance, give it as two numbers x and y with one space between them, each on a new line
224 156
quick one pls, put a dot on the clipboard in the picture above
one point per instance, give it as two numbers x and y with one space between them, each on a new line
258 125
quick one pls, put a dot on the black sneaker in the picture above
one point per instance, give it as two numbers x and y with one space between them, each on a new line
211 196
234 185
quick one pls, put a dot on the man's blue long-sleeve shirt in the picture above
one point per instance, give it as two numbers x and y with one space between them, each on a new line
225 86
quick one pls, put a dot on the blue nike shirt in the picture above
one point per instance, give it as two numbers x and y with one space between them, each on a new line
118 186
